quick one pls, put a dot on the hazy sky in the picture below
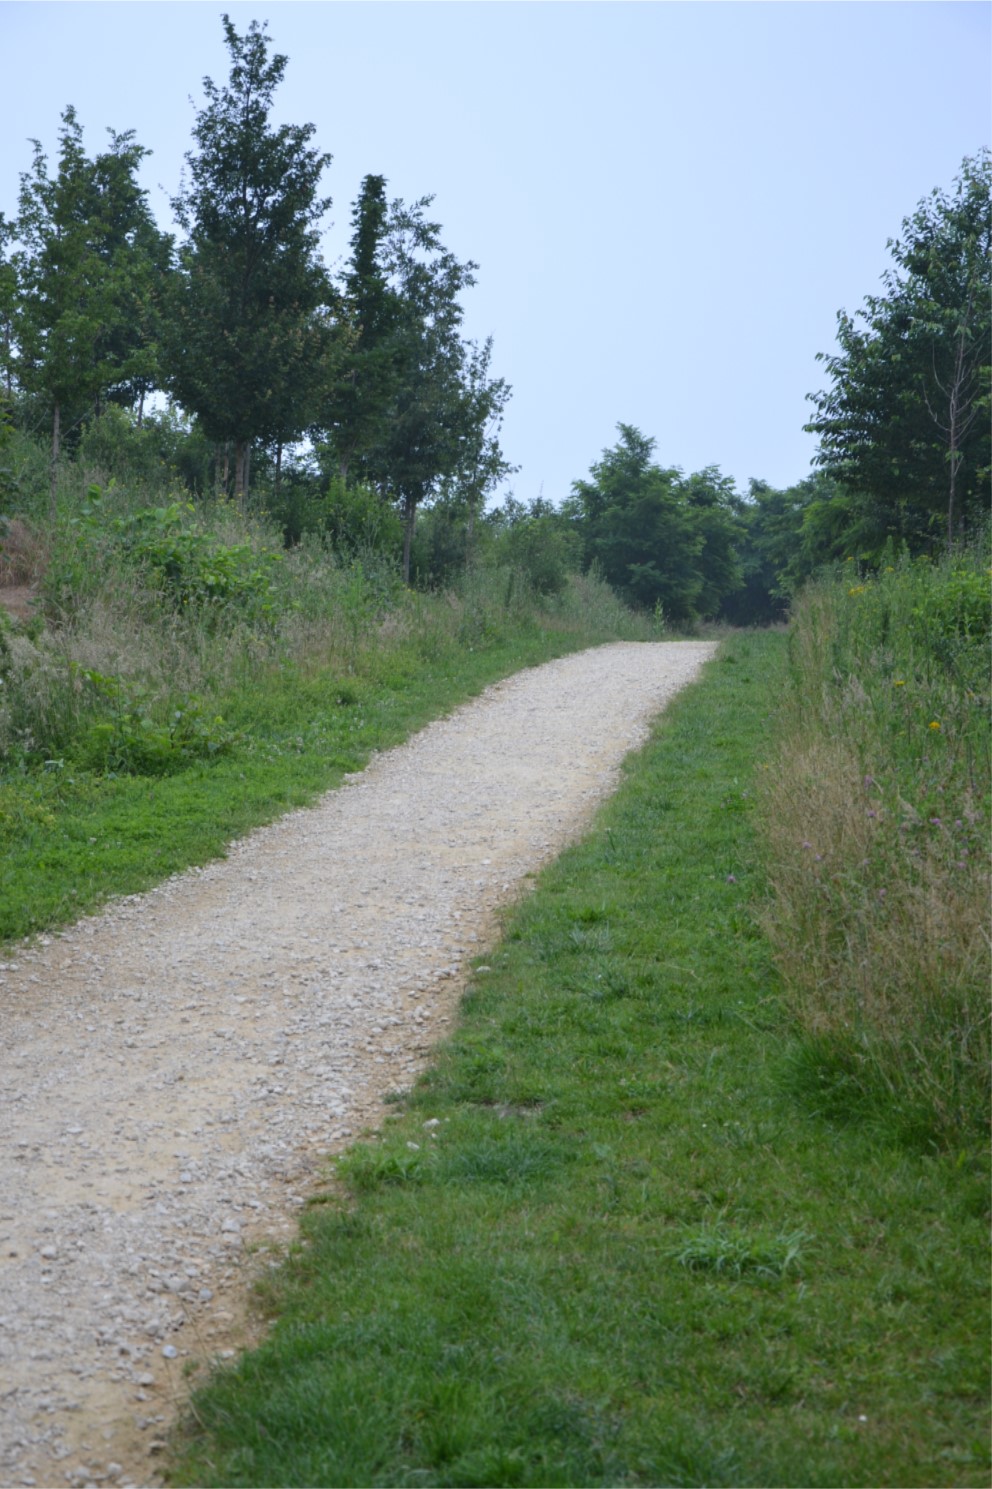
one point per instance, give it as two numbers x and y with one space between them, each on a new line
669 202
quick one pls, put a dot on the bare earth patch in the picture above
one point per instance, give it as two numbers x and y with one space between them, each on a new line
176 1069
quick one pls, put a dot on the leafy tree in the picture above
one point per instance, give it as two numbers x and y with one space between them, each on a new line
412 410
249 323
65 300
354 411
76 295
9 291
661 539
139 257
538 540
784 537
905 424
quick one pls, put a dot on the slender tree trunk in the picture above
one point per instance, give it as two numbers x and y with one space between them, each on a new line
278 468
409 518
56 429
141 409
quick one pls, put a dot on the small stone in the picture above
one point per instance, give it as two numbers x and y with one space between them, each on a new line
169 1351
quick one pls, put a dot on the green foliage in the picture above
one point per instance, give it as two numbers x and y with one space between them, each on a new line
905 424
247 324
134 741
89 267
662 539
358 523
193 568
186 563
410 409
538 541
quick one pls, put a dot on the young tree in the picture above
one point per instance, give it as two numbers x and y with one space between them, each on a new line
248 331
139 257
412 406
9 294
905 424
65 299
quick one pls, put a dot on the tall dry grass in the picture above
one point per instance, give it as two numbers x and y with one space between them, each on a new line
876 810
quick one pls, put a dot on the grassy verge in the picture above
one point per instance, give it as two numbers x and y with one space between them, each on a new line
70 837
598 1243
877 808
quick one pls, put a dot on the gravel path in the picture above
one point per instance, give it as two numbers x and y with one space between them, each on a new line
176 1069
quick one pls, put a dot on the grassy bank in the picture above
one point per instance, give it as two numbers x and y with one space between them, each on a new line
877 809
186 680
600 1242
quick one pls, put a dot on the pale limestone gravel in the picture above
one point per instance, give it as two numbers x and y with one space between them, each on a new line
174 1070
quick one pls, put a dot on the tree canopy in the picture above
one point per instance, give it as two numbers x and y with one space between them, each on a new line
247 327
662 539
904 424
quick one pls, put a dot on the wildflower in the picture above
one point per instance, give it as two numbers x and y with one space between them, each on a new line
849 559
858 589
731 878
889 569
806 845
935 724
935 822
900 682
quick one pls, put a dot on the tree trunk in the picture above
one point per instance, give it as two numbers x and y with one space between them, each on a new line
409 518
239 472
56 423
278 468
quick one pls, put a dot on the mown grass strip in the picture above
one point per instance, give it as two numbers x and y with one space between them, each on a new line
71 839
598 1244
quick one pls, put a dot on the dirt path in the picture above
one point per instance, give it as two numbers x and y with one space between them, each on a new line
175 1070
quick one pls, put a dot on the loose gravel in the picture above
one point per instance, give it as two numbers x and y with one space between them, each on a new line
176 1070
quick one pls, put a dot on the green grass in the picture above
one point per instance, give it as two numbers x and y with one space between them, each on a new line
71 838
599 1243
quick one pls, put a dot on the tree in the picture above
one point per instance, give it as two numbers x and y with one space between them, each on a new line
661 539
87 253
249 324
139 257
412 410
65 299
9 293
905 424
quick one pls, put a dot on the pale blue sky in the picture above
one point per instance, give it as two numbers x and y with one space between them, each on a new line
669 202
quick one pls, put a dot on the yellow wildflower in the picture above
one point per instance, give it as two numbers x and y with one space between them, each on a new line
899 682
934 724
858 589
